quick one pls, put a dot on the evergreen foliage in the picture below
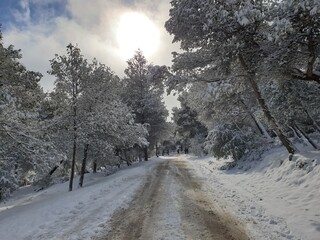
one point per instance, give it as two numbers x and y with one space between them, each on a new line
143 93
246 67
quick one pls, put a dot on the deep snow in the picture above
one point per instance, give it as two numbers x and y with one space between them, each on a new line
56 213
275 199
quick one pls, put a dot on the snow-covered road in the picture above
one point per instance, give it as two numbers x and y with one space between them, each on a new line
179 197
58 214
172 206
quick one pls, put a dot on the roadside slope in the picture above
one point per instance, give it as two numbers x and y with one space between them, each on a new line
56 213
277 198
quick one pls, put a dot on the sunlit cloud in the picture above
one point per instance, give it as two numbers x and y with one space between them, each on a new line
44 28
136 31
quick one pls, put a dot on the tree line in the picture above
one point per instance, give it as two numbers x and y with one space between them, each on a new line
91 119
249 74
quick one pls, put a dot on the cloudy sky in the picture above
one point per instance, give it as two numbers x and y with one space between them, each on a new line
109 30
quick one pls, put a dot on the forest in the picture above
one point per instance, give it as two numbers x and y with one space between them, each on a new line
247 77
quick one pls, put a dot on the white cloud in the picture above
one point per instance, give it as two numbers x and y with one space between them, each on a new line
23 15
91 26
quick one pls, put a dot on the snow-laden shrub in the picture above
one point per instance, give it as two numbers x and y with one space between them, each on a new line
197 146
229 140
8 181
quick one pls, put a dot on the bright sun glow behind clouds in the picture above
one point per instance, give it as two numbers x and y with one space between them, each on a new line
134 31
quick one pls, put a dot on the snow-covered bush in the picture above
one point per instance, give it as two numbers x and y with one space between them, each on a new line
229 140
8 181
197 146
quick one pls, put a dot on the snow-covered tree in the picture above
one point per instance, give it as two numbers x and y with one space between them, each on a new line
26 153
106 123
296 31
290 102
142 92
87 105
223 41
190 132
231 140
71 72
230 115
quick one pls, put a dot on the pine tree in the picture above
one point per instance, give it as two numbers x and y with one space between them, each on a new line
296 33
143 90
222 42
188 127
26 153
70 71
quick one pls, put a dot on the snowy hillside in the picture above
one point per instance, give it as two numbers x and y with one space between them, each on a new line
56 213
277 198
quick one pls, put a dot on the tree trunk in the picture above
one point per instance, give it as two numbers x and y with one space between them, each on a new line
314 123
252 117
145 150
74 148
127 158
84 163
157 150
285 141
265 133
55 168
295 131
306 137
312 55
257 125
73 164
94 167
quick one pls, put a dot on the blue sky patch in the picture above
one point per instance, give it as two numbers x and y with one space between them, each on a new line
24 12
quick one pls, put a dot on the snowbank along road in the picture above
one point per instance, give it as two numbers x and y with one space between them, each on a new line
174 198
171 205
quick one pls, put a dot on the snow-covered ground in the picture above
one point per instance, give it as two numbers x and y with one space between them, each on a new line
277 198
56 213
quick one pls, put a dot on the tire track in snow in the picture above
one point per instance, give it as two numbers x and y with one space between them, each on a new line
171 205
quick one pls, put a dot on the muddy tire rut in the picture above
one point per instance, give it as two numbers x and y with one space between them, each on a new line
171 205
